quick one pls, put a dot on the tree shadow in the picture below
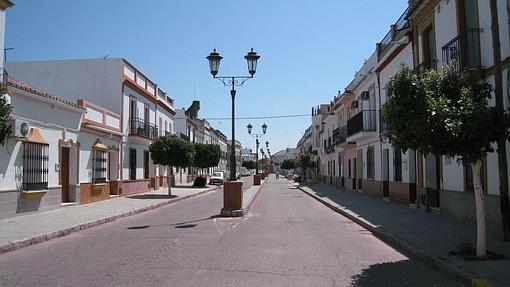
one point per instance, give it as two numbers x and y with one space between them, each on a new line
184 224
401 273
152 196
192 187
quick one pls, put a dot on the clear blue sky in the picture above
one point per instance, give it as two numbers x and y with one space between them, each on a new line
310 49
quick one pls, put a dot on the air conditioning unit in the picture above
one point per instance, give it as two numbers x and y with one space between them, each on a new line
354 105
19 128
365 95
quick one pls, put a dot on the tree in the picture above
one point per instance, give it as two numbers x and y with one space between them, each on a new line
249 164
305 162
206 155
498 90
288 164
5 116
173 152
446 115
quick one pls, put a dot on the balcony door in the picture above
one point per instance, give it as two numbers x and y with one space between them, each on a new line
469 33
429 48
146 114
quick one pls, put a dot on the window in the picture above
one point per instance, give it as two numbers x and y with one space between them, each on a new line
468 177
161 133
370 163
99 166
397 164
35 166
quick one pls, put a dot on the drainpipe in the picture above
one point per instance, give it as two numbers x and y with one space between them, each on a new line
121 143
380 137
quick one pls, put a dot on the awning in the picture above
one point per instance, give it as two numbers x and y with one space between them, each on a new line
34 135
99 146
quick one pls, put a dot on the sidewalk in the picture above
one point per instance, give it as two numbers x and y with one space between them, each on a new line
427 236
26 230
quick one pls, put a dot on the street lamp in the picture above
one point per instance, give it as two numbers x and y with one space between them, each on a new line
233 81
257 136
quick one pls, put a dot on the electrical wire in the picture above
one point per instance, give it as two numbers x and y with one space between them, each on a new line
258 118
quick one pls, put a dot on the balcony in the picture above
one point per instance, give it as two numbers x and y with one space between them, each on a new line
329 148
340 135
463 52
140 127
362 125
425 66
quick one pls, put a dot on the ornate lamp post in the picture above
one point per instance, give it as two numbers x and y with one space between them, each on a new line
233 81
257 136
232 191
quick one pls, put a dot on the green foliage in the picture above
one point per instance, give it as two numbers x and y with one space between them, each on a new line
249 164
206 155
443 114
5 116
305 162
172 151
288 164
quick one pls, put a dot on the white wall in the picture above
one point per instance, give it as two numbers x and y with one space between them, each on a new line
97 80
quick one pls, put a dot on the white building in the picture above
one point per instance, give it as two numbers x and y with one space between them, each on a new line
117 87
34 174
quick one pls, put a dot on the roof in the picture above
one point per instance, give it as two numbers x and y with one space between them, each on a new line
4 4
15 83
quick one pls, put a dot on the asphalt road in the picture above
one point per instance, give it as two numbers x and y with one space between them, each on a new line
288 239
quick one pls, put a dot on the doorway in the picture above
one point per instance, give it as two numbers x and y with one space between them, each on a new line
64 174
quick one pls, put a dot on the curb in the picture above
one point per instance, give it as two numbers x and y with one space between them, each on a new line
252 200
11 246
402 245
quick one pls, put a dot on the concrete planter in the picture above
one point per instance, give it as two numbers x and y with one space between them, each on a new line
256 179
232 199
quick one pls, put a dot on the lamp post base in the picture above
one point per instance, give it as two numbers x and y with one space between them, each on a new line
232 199
256 179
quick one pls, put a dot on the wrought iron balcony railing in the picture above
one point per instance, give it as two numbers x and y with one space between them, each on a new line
425 66
463 52
364 121
330 148
339 135
142 128
184 137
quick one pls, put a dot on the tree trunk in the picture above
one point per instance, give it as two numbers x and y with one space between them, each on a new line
498 89
169 180
480 210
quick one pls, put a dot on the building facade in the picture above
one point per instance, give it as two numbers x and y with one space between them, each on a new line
348 135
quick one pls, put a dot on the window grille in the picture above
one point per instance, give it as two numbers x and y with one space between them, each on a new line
370 163
35 166
99 166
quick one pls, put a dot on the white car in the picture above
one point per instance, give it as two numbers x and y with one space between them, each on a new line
217 178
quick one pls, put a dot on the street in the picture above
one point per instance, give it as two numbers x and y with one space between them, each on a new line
286 239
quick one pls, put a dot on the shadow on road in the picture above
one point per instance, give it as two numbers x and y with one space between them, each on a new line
185 224
152 196
385 274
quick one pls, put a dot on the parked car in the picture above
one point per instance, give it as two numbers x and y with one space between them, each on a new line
217 178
